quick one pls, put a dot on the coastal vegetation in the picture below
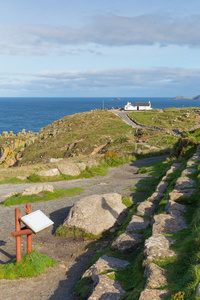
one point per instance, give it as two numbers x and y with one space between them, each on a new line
75 138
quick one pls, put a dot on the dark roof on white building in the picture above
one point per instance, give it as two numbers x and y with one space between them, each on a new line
142 104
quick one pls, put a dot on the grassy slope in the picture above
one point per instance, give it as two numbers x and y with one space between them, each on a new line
95 128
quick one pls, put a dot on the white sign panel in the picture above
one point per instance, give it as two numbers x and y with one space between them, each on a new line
37 221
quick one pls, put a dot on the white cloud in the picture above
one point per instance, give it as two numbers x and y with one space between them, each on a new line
109 30
151 82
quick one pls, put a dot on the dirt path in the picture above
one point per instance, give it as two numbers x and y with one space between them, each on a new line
58 282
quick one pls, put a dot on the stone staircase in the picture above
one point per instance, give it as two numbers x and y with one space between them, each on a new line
156 246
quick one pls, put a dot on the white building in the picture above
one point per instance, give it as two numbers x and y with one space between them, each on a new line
138 106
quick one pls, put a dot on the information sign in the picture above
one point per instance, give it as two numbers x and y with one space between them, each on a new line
37 221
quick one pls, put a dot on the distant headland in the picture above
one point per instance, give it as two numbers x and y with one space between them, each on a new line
189 98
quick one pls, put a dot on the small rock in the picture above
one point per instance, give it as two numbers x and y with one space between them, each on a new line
10 195
187 172
137 223
157 246
107 289
36 189
105 263
198 289
82 166
173 168
69 169
156 196
176 194
172 207
146 208
127 241
192 163
155 276
148 294
51 172
184 182
55 160
163 223
91 163
23 177
162 186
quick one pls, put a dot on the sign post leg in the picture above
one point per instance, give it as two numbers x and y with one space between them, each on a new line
29 236
18 238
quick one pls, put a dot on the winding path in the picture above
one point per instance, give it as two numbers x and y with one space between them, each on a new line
123 116
58 282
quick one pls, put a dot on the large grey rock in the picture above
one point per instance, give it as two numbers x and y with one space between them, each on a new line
69 169
51 172
155 276
176 194
157 246
149 294
168 223
105 263
173 208
137 223
107 289
184 182
96 213
146 208
36 189
127 241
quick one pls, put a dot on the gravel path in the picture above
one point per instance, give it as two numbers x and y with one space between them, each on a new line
58 282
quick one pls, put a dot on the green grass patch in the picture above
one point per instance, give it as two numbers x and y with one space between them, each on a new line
66 231
43 196
32 264
13 180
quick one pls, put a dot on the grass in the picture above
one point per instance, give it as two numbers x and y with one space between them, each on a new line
32 264
66 231
183 271
82 132
101 169
170 118
44 196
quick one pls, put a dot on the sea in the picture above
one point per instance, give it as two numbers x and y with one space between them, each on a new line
32 114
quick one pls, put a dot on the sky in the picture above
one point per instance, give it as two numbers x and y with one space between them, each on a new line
99 48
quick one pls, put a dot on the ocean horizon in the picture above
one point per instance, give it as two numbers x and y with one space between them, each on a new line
32 113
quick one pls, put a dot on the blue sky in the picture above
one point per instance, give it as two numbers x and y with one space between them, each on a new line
99 48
